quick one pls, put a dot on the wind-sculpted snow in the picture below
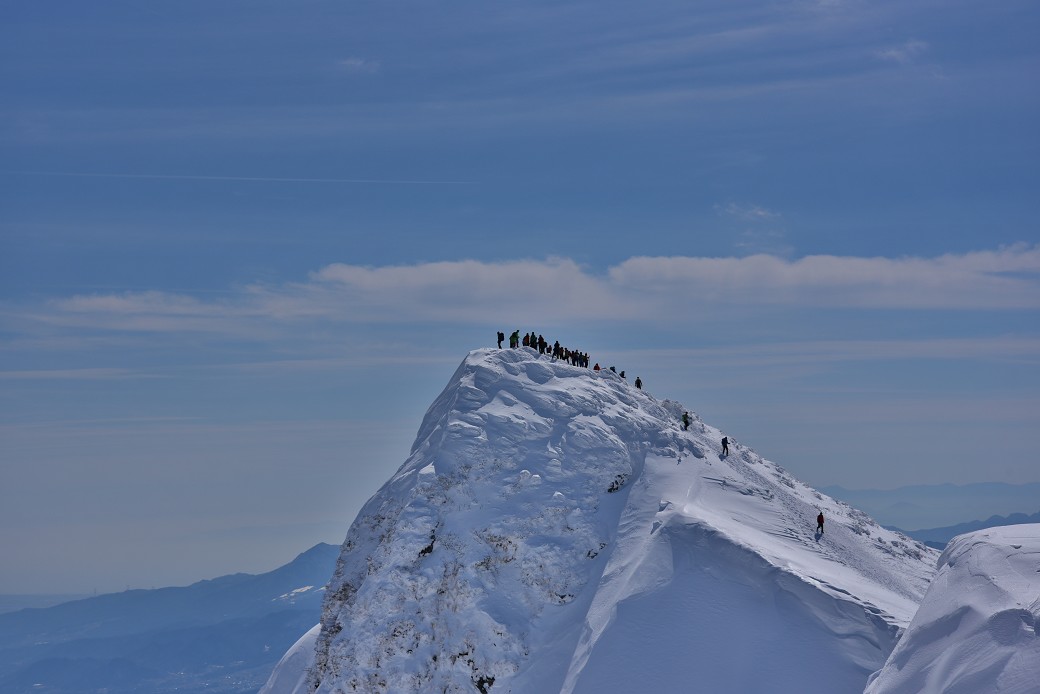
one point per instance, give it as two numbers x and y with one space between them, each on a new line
554 530
977 629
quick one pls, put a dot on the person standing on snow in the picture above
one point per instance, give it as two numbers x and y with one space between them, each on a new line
725 445
639 383
501 336
685 421
819 523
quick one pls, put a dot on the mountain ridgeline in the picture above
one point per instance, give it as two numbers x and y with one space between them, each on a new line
556 529
939 537
221 636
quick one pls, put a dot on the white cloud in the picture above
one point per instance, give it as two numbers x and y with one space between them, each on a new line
359 65
468 290
904 53
1008 278
155 312
558 290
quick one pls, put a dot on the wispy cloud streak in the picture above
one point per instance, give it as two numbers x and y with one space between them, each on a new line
640 289
1008 278
97 374
248 179
903 53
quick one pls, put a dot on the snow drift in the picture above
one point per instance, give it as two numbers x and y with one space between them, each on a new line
976 630
555 530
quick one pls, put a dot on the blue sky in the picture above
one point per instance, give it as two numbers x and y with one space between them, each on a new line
243 245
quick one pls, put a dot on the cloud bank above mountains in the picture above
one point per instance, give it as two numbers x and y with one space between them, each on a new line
639 289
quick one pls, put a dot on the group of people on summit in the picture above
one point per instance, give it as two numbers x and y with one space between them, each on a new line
571 356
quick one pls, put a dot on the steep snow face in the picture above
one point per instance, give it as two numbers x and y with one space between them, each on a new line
555 530
977 629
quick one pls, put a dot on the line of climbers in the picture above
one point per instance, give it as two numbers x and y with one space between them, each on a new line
572 357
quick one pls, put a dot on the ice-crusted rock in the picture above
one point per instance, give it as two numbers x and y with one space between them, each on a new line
555 530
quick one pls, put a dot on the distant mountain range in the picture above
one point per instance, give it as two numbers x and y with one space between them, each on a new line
221 636
13 603
939 505
939 537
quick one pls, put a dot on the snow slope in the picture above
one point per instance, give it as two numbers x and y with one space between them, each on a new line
290 674
554 530
976 631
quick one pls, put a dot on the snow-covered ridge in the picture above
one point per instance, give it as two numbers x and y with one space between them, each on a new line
554 529
978 629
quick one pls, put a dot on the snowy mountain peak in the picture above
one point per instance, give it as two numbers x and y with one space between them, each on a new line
556 530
